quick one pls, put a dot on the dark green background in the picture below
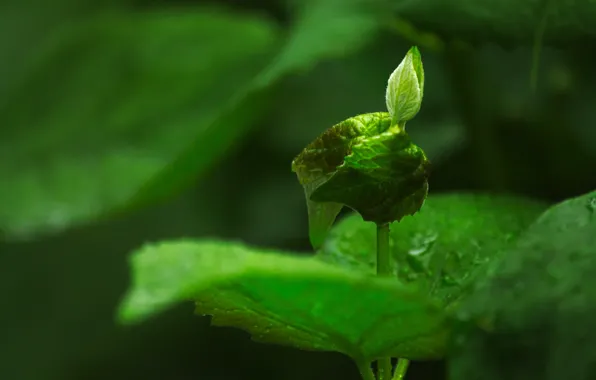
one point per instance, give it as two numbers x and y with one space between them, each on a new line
481 124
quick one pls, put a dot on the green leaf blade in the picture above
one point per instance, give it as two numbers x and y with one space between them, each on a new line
317 163
106 129
385 178
366 165
441 249
282 299
105 139
405 88
538 300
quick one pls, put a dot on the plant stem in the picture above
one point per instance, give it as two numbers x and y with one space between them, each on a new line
401 369
383 269
365 371
538 40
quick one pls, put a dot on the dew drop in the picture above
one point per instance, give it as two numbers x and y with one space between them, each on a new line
422 244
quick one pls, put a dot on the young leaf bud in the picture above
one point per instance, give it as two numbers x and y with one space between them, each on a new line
405 88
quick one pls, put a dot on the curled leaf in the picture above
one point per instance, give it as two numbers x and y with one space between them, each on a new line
364 163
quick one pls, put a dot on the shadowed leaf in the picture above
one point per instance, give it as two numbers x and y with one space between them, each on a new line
536 303
507 22
111 102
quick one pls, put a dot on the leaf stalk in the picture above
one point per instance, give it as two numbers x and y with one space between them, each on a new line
365 370
401 369
384 365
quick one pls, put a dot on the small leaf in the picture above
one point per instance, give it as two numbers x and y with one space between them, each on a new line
536 303
282 299
439 249
405 88
366 165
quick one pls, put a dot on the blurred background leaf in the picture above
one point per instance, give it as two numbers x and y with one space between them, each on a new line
505 21
538 299
113 100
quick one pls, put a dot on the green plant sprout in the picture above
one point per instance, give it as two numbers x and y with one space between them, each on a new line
369 164
372 291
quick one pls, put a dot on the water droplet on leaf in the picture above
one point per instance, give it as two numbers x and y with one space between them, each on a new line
421 244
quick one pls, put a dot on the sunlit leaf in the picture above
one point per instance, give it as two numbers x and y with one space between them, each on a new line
366 165
284 299
351 86
405 88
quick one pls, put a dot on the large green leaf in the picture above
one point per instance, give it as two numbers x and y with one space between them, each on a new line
508 21
112 101
127 108
285 299
440 248
537 304
319 32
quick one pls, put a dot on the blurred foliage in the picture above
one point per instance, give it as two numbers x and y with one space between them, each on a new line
110 100
108 107
538 300
508 22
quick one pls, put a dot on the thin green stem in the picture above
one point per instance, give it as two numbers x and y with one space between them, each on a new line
385 368
401 369
384 269
538 37
365 371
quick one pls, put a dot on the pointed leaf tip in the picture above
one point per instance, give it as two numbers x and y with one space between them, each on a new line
405 88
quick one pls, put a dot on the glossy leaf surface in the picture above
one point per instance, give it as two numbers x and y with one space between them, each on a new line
441 248
366 165
284 299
